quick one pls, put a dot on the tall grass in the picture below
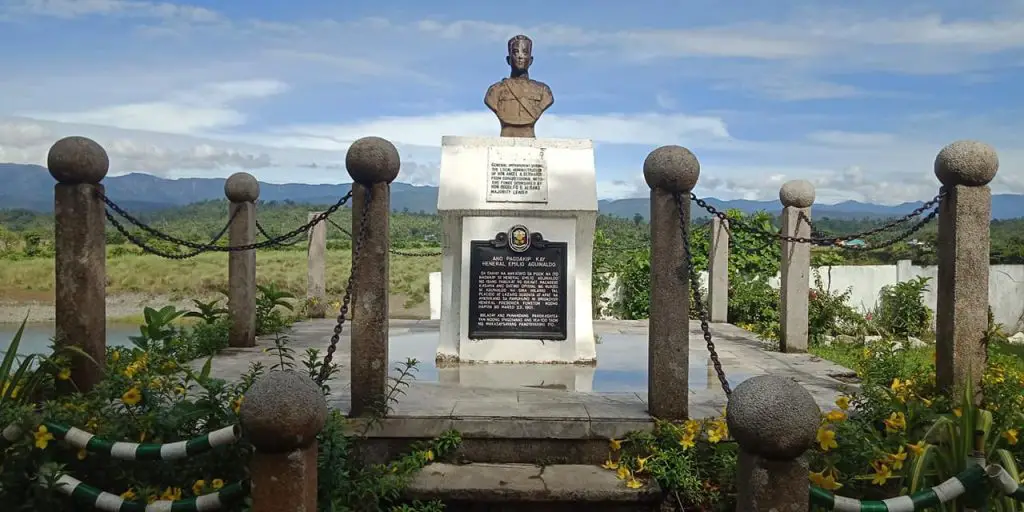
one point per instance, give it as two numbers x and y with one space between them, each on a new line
208 274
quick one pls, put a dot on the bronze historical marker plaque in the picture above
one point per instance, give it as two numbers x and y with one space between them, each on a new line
518 287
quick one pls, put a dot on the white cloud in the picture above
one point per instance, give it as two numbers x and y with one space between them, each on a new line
195 111
77 8
642 128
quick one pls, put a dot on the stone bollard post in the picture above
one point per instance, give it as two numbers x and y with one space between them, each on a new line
316 271
242 190
373 164
718 271
669 170
961 312
774 421
796 196
80 260
281 415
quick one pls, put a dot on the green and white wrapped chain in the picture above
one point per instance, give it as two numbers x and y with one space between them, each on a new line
929 498
100 500
132 451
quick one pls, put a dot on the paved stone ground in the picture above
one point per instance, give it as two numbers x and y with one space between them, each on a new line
598 413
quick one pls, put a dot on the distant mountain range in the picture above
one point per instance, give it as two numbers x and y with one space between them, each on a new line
31 187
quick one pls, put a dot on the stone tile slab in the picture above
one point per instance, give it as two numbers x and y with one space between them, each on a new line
483 483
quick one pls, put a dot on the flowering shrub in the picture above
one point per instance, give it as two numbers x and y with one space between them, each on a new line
900 435
897 435
146 395
692 461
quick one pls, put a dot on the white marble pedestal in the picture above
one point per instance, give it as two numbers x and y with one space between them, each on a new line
490 185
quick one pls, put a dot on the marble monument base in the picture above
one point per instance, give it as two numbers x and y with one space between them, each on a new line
518 217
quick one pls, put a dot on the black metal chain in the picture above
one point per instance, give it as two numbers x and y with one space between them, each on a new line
259 227
396 252
357 248
898 238
820 241
165 254
218 248
702 311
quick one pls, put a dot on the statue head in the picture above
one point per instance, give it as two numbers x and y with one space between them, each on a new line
520 53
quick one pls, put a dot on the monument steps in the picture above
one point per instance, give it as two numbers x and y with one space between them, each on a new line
500 425
507 487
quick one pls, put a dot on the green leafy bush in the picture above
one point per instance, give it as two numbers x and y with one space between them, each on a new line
901 309
147 395
270 300
829 312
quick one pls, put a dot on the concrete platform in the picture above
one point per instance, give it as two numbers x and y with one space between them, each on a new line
510 413
495 487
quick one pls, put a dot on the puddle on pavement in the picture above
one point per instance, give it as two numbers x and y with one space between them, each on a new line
621 367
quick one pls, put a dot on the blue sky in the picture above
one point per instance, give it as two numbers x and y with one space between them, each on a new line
857 97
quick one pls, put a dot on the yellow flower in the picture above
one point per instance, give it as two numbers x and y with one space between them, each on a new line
171 494
623 473
128 495
92 424
43 437
64 374
957 412
692 427
610 464
866 353
896 459
640 461
687 441
217 483
197 488
835 416
132 396
14 392
428 455
116 356
827 439
180 390
825 481
633 483
843 403
926 402
237 404
82 454
615 444
1011 436
895 422
718 431
917 449
882 473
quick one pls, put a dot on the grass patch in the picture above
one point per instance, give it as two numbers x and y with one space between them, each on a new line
848 355
207 274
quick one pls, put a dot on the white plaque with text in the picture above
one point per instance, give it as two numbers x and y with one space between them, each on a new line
516 175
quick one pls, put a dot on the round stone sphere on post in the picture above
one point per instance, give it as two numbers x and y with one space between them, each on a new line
372 160
797 193
773 417
282 412
242 187
673 169
74 160
967 162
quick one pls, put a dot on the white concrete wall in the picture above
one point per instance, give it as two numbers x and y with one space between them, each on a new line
1005 286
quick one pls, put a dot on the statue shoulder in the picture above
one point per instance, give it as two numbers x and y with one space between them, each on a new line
491 96
548 97
545 90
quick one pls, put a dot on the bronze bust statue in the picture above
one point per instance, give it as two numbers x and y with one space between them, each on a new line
517 100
